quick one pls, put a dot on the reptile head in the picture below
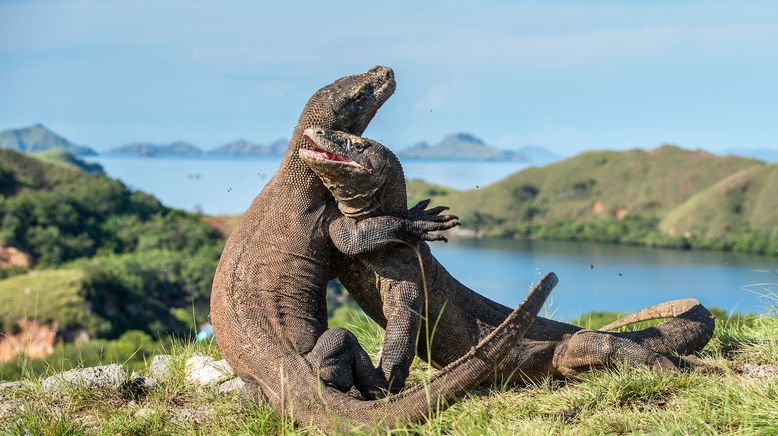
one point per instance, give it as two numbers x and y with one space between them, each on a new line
356 170
352 101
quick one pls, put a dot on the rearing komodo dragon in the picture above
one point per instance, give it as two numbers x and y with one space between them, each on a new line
268 306
366 179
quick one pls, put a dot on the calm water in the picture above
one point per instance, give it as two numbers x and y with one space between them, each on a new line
623 278
227 186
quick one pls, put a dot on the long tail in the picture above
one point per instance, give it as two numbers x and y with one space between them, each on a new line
689 329
297 391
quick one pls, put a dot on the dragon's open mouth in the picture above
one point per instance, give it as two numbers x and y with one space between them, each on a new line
317 152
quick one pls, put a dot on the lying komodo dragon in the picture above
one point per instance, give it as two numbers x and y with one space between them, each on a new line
366 180
268 306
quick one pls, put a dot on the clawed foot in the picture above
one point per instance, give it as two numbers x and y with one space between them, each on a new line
422 221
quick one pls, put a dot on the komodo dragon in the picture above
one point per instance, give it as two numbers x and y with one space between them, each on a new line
366 179
268 306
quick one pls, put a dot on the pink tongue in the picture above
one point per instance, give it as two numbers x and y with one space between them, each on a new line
336 158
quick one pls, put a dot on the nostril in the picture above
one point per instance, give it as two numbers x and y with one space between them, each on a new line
319 132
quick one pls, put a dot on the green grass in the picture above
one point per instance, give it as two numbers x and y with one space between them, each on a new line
615 401
45 296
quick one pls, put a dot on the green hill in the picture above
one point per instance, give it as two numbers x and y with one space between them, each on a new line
39 138
747 199
131 262
418 190
623 196
58 213
60 156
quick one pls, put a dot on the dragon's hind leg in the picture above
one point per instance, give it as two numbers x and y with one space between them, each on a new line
588 349
342 363
688 330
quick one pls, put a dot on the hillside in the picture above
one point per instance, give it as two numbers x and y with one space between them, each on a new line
460 146
622 196
37 138
58 212
146 149
47 296
747 199
130 262
62 157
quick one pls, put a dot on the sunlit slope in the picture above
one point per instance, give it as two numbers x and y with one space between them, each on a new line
45 296
747 199
601 185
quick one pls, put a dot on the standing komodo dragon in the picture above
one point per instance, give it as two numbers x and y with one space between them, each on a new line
268 306
366 180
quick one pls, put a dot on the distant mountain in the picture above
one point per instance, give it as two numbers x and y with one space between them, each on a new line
539 155
242 147
145 149
765 154
460 146
39 138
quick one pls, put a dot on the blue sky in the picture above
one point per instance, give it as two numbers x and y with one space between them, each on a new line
563 75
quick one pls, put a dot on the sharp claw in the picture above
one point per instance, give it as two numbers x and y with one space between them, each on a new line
422 204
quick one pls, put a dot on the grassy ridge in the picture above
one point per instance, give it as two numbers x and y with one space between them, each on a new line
46 296
664 197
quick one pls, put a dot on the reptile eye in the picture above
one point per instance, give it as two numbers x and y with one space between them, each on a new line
357 93
359 146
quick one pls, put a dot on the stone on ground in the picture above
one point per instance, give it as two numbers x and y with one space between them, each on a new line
230 386
161 366
98 377
207 371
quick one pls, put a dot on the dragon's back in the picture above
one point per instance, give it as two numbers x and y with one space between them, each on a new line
272 275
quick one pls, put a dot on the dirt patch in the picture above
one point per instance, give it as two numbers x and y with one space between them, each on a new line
11 256
598 207
225 224
33 339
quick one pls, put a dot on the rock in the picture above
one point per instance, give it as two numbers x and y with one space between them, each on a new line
758 371
206 371
230 386
98 377
144 412
198 417
8 387
10 407
161 366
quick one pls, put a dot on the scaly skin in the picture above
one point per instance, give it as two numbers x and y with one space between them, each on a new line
268 306
379 283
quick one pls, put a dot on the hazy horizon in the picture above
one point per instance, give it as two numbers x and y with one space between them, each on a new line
565 76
